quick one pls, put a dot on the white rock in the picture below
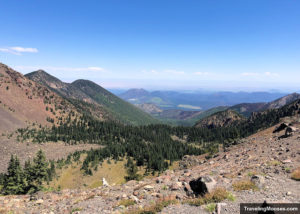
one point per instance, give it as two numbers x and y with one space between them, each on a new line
40 201
287 161
148 187
135 198
104 182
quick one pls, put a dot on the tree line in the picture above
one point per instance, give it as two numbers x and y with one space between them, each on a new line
151 146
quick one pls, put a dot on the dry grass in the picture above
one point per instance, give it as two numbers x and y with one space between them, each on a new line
217 195
296 174
155 208
72 177
274 163
251 173
244 185
6 211
174 166
78 209
126 202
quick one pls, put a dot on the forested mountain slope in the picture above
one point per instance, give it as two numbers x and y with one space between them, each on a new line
220 119
89 97
65 89
247 108
121 110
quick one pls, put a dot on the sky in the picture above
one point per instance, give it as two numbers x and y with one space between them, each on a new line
157 44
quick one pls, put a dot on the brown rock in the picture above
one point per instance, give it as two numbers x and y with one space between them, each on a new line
170 197
175 186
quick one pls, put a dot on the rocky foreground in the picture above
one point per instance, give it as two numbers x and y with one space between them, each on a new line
266 159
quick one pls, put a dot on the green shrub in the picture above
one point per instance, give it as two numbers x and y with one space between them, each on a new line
211 207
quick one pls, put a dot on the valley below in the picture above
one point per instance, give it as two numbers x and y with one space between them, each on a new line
265 159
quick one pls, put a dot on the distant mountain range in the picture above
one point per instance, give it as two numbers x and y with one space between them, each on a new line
196 101
189 118
247 108
240 112
41 98
177 116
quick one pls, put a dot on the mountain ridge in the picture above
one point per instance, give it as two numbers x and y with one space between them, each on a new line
94 99
220 119
123 110
65 89
247 108
24 101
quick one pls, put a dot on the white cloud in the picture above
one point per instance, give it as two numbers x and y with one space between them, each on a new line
95 69
18 50
150 72
154 72
163 72
6 50
201 73
24 50
174 72
269 74
250 74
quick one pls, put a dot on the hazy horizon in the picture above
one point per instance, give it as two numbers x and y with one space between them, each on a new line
118 85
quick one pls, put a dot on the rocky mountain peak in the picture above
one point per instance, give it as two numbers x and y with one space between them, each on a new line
221 119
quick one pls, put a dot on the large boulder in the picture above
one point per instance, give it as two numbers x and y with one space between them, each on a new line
189 161
202 185
290 130
281 127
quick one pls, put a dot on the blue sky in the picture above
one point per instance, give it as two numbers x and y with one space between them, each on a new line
157 44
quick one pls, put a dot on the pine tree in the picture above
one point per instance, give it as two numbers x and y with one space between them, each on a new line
40 166
29 175
14 180
1 180
51 171
131 170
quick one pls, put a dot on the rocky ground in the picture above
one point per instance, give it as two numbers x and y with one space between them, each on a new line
265 158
